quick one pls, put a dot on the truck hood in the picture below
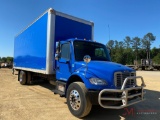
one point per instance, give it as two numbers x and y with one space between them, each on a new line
101 69
104 66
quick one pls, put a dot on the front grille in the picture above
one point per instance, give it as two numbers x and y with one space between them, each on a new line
119 78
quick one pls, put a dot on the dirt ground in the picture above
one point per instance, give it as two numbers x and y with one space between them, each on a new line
38 102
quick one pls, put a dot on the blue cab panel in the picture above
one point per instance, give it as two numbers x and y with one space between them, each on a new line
30 46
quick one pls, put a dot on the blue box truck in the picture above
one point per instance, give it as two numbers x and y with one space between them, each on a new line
61 49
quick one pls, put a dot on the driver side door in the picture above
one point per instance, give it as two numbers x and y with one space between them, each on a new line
63 70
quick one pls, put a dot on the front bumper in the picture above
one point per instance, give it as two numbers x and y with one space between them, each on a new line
123 97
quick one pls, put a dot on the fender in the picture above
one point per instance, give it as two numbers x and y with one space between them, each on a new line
81 77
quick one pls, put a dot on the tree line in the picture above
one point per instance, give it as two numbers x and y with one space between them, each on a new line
6 59
130 49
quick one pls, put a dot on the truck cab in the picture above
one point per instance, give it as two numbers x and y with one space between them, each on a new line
86 76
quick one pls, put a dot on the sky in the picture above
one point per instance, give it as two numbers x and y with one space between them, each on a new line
114 19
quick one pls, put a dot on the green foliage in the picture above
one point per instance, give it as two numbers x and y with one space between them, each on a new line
110 44
9 59
127 42
6 59
130 49
156 59
147 40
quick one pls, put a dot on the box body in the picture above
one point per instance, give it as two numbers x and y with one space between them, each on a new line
34 47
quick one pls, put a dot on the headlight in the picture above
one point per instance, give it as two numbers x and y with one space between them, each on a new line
97 81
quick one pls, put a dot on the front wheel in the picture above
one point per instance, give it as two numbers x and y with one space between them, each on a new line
77 100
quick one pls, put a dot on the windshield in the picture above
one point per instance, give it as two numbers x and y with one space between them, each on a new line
95 50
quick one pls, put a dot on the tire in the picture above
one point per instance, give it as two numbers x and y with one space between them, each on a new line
29 78
77 100
22 78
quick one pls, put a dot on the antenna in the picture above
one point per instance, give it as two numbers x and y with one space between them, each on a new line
109 31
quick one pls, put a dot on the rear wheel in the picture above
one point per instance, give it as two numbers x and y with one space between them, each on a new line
29 77
22 78
77 100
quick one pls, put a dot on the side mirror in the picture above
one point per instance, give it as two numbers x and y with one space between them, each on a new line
57 56
87 59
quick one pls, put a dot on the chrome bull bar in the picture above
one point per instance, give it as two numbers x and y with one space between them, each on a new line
124 95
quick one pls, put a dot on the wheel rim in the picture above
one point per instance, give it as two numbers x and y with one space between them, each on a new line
75 100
